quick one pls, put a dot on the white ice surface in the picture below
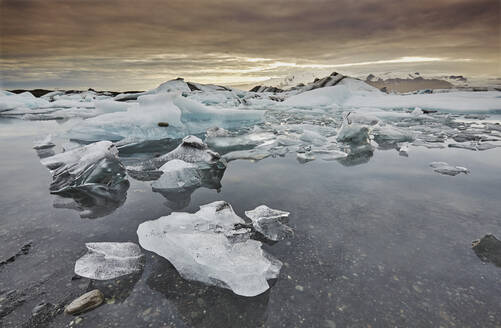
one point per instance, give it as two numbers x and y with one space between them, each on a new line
206 247
108 260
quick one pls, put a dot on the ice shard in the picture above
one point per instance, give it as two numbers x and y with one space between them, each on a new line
446 169
108 260
96 164
270 223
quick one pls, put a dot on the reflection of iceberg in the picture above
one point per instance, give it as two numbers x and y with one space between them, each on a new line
357 155
93 201
177 184
201 305
181 171
208 247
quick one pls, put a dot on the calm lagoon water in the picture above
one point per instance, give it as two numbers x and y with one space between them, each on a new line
386 243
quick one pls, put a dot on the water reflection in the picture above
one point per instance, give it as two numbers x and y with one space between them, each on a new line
46 152
116 290
93 201
200 305
357 155
177 199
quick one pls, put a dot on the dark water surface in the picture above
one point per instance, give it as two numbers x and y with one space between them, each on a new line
386 243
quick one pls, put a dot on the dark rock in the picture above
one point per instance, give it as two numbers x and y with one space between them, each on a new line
488 249
86 302
163 124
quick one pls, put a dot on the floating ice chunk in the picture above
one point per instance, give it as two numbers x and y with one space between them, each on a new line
417 111
9 100
191 150
255 154
178 175
354 133
202 247
270 222
217 132
44 143
305 157
328 155
474 146
313 138
403 149
388 135
238 142
444 168
96 164
109 260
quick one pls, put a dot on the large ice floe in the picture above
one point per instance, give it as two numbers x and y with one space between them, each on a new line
212 246
109 260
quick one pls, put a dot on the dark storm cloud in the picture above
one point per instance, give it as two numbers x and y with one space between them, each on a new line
170 37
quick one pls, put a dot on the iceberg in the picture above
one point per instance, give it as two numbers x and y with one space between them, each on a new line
270 222
208 246
184 116
444 168
108 260
96 164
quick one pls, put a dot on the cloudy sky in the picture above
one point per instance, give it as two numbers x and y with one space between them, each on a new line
132 44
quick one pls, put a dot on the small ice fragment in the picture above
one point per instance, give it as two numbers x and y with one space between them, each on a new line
417 111
217 132
305 157
44 143
208 247
178 175
256 154
389 136
353 133
108 260
403 149
191 150
270 222
444 168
